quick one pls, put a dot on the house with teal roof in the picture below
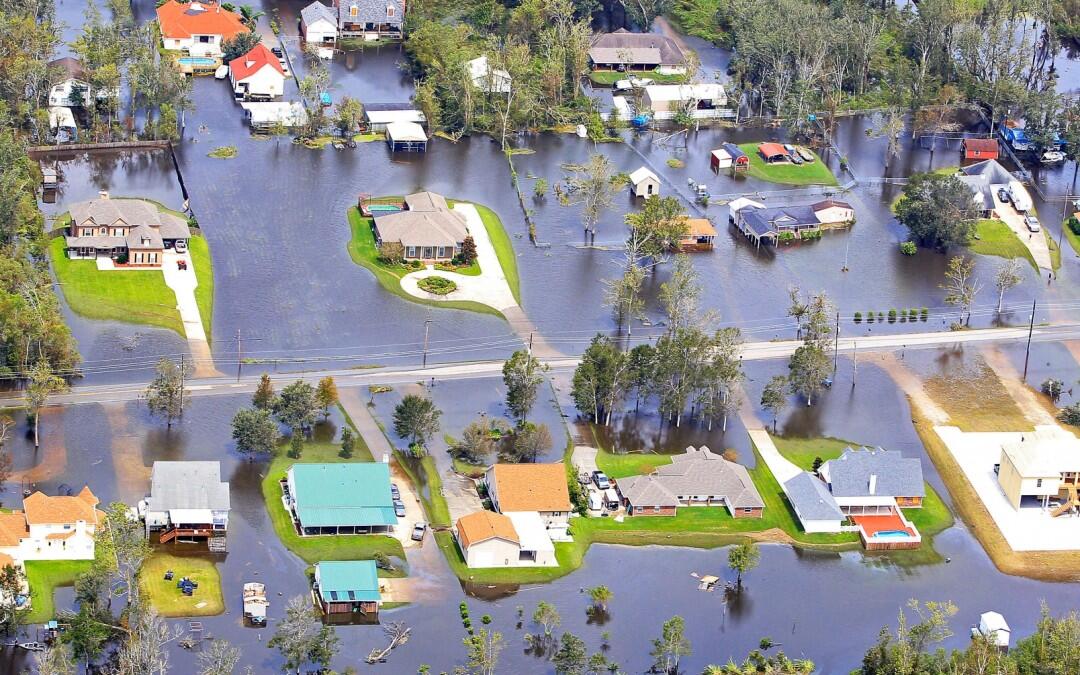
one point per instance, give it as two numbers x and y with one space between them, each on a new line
348 498
347 587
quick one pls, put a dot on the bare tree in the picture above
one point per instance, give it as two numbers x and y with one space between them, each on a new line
1007 277
594 186
961 286
220 659
144 652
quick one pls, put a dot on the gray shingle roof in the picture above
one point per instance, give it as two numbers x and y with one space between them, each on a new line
131 212
644 491
95 242
811 499
622 46
370 11
895 475
773 219
699 473
187 485
316 11
427 222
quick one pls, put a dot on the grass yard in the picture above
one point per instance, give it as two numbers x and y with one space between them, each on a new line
428 484
975 400
1074 239
1055 250
328 547
610 77
802 451
621 465
168 600
814 173
997 239
44 577
204 273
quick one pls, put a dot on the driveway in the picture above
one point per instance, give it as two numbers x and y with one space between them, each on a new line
183 283
1035 241
461 496
781 467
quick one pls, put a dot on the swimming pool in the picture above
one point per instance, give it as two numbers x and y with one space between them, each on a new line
383 207
892 534
197 61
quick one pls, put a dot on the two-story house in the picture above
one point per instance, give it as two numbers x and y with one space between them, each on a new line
132 231
538 488
371 19
199 28
188 501
51 528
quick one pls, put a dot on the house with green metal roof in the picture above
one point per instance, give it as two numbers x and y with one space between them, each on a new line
347 587
348 498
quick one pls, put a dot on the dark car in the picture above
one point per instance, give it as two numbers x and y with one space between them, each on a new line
399 508
1003 196
276 51
601 480
395 492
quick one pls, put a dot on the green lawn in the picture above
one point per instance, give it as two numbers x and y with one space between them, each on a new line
802 451
204 272
428 484
44 577
997 239
610 77
621 465
814 173
168 600
1074 239
328 547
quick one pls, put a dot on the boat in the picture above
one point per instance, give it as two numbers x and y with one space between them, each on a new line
255 603
1053 156
806 155
221 73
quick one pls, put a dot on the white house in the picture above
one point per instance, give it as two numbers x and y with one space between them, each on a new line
70 87
701 100
187 500
257 75
644 183
318 23
51 528
198 28
813 504
994 628
488 79
830 211
489 539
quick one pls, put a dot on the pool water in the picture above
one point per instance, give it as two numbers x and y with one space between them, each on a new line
383 207
197 61
891 534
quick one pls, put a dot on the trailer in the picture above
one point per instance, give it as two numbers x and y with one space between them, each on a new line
255 603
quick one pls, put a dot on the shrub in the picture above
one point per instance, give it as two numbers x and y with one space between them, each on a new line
540 188
785 236
1052 387
1070 414
676 163
437 285
811 235
1074 224
908 248
858 317
892 316
870 317
912 313
224 152
924 314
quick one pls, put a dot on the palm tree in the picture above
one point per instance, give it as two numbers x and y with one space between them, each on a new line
600 596
250 16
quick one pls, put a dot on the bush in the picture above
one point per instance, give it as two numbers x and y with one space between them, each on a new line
1070 415
1052 387
869 317
912 313
924 313
892 316
858 317
1074 224
785 236
676 163
540 188
908 248
811 235
437 285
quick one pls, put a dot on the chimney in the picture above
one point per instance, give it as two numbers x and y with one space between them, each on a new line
104 194
873 483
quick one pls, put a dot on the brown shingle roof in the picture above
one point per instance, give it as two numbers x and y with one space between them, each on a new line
484 525
12 528
531 487
42 509
622 46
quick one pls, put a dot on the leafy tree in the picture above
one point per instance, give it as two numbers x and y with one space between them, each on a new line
296 445
671 646
681 294
774 397
234 48
296 406
468 250
475 444
593 185
254 430
483 649
347 115
1006 277
530 440
547 617
623 295
908 650
961 286
322 649
43 384
601 379
808 368
296 634
743 558
522 374
348 443
219 659
12 580
571 658
655 230
416 418
86 634
264 395
1054 647
600 596
642 12
166 394
937 210
642 367
326 395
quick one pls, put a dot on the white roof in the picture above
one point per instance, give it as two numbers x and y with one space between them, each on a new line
406 131
531 531
61 117
641 174
743 202
721 153
1042 455
389 116
190 515
685 92
289 113
480 72
993 621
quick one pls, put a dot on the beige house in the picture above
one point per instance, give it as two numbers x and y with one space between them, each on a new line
644 183
50 528
542 488
131 231
1038 469
426 228
489 539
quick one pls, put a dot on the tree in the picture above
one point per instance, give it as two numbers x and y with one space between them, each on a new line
642 12
475 444
12 581
348 443
571 657
547 617
600 597
774 397
144 652
593 186
86 634
254 430
808 368
522 374
166 394
961 286
655 230
296 445
600 381
908 650
56 659
324 646
680 294
483 651
264 396
468 250
296 633
530 440
250 16
1007 277
743 558
234 48
1053 648
122 544
326 395
220 659
671 646
296 407
347 115
43 383
937 210
416 418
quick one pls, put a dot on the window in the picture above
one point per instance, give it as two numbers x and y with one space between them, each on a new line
354 11
1038 482
204 39
656 509
748 510
389 11
410 252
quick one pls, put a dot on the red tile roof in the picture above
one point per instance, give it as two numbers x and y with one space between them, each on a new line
252 62
198 18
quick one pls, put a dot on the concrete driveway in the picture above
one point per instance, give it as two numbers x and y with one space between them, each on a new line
1035 241
414 511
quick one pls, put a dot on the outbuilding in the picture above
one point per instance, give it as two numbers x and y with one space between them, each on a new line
347 587
318 23
978 149
727 156
993 627
644 183
406 137
773 153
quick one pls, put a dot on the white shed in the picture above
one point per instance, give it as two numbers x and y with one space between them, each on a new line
406 137
721 159
644 183
993 626
319 24
487 79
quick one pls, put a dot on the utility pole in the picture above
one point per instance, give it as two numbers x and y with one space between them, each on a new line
855 362
836 344
427 328
530 342
239 356
1031 329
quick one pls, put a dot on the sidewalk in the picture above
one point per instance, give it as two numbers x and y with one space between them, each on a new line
780 466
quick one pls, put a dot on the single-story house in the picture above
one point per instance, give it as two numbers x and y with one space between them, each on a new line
347 587
371 19
542 488
773 152
265 115
699 236
319 24
644 183
984 179
350 498
189 501
50 528
698 477
727 156
623 50
668 99
980 148
198 28
874 481
257 75
833 212
406 137
378 115
123 228
1041 468
427 228
489 539
758 222
813 504
487 79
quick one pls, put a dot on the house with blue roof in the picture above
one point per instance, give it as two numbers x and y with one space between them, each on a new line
347 587
349 498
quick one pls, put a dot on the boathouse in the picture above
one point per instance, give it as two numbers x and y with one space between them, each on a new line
406 137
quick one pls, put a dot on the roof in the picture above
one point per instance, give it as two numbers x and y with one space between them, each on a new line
993 621
317 11
96 241
531 531
991 170
766 220
743 202
733 150
698 471
895 475
481 526
492 80
348 580
700 227
622 46
12 528
981 145
395 114
370 11
686 92
255 60
427 221
143 237
405 131
41 509
289 113
530 487
641 174
830 204
642 491
1044 455
71 68
721 153
132 212
810 498
187 485
204 17
331 495
6 561
771 149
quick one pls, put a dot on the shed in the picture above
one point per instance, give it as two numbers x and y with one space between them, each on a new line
773 152
406 137
727 156
265 115
347 587
318 23
699 235
720 159
379 115
49 180
980 148
644 183
992 625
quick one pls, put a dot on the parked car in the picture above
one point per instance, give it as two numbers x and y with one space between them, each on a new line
276 51
1003 196
601 480
1053 156
221 73
399 508
418 531
395 492
181 246
793 154
596 503
1032 224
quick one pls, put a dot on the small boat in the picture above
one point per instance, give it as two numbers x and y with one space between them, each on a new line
33 646
806 155
221 73
255 603
1053 156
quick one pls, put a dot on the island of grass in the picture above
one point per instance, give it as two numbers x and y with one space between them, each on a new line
437 285
131 296
167 599
44 577
312 549
786 173
608 78
364 252
224 152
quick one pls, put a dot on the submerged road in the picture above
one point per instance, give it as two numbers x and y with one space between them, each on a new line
751 351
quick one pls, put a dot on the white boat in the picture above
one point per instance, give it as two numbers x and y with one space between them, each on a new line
1053 156
993 627
255 603
221 73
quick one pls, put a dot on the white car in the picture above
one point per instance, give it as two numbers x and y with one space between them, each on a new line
1053 156
221 73
1032 224
632 82
181 246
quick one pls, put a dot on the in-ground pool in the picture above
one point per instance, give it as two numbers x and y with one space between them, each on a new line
892 534
197 61
383 208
